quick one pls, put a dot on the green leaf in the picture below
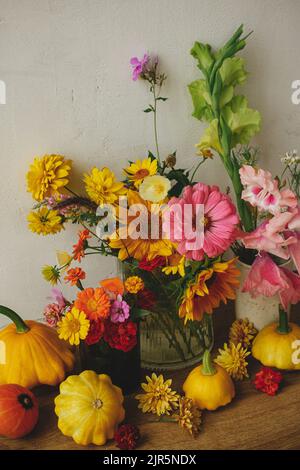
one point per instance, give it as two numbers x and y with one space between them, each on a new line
226 95
243 122
233 72
160 98
201 100
148 110
139 313
202 53
151 155
210 138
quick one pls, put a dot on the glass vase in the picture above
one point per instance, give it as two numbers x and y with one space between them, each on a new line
166 343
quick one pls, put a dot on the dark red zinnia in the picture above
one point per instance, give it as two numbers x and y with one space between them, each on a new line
95 333
127 436
268 380
121 336
154 263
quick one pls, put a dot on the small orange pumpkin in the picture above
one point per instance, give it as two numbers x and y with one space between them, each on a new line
19 411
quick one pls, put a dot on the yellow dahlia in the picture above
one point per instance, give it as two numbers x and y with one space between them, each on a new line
51 274
158 398
47 175
137 171
212 286
155 188
73 327
134 284
188 416
140 248
102 186
242 331
45 221
233 359
175 264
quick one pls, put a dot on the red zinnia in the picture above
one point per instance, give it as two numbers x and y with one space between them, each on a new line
95 333
80 246
267 380
154 263
121 336
127 436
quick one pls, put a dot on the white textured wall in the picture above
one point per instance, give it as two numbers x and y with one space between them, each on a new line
65 64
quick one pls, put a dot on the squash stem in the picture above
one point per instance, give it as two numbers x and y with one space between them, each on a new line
207 365
283 325
13 316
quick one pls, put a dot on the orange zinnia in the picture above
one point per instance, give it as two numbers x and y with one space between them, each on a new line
113 285
74 275
95 303
80 246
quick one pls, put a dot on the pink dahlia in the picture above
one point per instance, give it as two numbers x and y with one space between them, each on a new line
202 221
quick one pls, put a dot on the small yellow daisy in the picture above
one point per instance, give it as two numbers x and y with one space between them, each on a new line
137 171
73 327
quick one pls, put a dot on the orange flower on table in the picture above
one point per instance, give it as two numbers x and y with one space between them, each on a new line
74 275
95 303
134 284
80 246
113 285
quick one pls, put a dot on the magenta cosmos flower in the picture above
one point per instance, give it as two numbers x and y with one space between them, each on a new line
216 214
138 66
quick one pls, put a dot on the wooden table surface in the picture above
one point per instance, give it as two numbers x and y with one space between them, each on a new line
252 421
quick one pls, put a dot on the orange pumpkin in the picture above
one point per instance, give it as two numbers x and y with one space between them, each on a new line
19 411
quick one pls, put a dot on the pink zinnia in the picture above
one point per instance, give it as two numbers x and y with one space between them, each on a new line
138 66
119 310
53 314
219 220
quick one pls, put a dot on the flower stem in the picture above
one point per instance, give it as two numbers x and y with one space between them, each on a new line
283 325
207 365
196 169
155 121
21 326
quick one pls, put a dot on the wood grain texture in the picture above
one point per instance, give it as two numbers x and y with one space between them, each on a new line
252 421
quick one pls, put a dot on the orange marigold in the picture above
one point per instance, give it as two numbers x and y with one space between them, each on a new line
74 275
80 246
134 284
95 303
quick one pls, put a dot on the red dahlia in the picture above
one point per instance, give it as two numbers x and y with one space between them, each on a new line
267 380
127 436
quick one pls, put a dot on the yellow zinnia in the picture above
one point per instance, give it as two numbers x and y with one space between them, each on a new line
45 221
175 264
47 175
137 171
73 327
155 188
102 186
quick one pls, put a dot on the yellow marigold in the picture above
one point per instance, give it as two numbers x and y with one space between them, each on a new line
158 398
47 175
51 274
134 284
242 331
73 327
188 416
102 186
137 171
233 359
45 221
175 264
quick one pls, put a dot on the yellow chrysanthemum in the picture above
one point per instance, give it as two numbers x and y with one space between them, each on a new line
138 170
212 286
102 186
188 416
73 327
51 274
134 284
242 331
45 221
233 359
140 248
175 264
155 188
47 175
158 398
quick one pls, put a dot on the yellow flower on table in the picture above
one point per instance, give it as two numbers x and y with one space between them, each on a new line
155 188
47 175
139 170
102 186
51 274
73 327
188 416
242 331
175 264
45 221
233 359
158 398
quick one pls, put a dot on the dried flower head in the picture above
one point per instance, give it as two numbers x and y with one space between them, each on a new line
158 398
188 416
127 436
242 331
171 160
233 359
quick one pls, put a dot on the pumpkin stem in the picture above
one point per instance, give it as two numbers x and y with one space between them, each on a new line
283 325
207 365
13 316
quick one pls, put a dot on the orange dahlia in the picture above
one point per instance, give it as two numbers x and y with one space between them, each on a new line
212 286
95 303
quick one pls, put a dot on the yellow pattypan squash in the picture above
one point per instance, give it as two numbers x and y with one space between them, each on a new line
273 346
209 385
32 353
89 408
